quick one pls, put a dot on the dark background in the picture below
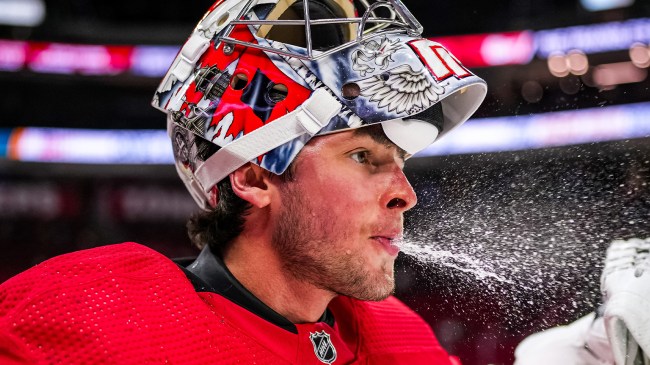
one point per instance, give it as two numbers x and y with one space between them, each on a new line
539 219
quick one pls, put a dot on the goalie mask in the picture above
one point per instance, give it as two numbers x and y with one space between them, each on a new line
258 78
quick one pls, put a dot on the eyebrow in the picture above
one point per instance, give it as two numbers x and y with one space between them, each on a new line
376 133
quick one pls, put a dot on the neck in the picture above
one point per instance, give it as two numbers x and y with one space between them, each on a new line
258 267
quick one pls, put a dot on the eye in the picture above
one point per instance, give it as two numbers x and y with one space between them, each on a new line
361 157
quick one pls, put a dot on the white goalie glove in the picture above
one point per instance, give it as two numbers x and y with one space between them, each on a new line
620 333
625 284
583 342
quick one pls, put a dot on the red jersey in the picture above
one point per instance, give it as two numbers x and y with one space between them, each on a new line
127 304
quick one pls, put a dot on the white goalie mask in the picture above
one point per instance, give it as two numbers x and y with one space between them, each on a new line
258 79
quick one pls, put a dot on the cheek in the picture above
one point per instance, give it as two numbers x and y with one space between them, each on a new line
345 212
346 197
339 193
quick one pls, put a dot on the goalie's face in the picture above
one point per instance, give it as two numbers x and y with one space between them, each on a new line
340 219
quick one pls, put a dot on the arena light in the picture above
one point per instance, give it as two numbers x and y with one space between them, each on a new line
640 55
575 62
578 62
12 55
84 59
600 5
152 61
89 146
63 58
609 75
545 130
557 65
5 135
595 38
26 13
496 49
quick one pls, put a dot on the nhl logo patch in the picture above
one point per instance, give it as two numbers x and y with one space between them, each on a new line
323 347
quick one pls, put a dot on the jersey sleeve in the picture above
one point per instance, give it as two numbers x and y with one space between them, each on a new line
90 306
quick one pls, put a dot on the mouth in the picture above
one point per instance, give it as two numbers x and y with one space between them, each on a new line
388 243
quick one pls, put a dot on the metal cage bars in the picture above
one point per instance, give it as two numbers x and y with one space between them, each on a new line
396 8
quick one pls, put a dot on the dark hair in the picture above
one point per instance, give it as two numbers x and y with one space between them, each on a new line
219 227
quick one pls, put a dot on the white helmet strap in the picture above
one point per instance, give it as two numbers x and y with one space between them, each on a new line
314 114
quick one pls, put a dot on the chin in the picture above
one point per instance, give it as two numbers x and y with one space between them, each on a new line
379 290
382 294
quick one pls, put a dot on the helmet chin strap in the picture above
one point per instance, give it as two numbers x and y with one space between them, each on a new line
309 118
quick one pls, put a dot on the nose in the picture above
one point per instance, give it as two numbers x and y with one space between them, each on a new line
400 194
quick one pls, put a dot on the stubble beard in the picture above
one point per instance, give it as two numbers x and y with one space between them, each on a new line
310 245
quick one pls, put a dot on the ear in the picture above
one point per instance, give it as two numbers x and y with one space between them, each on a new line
250 182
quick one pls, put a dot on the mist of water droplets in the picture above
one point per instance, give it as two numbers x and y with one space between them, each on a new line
462 262
526 236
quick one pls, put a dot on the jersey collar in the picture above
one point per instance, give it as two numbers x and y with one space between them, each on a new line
208 273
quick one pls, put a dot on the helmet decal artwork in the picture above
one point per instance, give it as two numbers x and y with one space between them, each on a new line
258 78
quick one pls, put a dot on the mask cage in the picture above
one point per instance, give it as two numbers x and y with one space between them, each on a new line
382 16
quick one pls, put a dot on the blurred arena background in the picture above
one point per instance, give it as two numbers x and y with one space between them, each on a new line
553 166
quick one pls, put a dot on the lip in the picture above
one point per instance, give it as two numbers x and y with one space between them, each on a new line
388 243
